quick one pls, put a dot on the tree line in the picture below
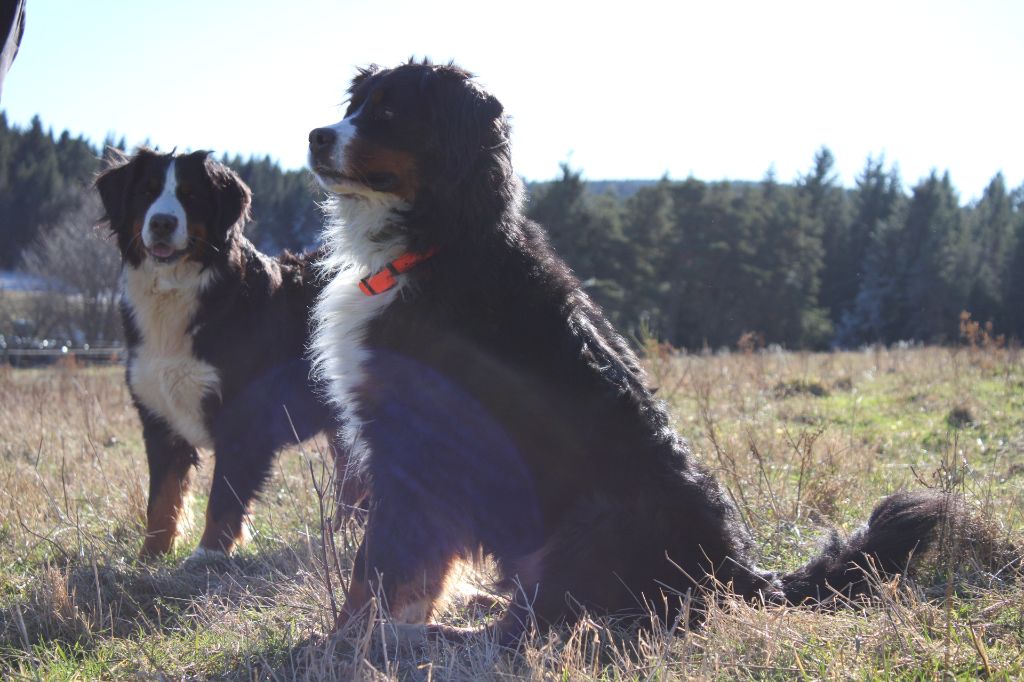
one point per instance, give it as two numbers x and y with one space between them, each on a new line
807 264
43 177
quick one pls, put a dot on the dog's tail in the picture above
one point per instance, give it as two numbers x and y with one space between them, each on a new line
903 528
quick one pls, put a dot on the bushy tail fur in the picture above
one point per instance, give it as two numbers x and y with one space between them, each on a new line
902 528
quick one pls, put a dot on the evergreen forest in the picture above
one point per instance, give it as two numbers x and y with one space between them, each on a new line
802 264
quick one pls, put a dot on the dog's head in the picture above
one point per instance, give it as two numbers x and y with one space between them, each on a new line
164 208
422 138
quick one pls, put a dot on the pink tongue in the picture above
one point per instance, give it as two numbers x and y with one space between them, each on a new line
161 250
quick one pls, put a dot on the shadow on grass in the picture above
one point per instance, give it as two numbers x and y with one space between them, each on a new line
83 602
377 648
376 654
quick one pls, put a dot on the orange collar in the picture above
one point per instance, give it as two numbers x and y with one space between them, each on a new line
384 279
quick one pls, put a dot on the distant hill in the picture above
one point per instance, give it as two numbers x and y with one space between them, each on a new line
623 189
618 189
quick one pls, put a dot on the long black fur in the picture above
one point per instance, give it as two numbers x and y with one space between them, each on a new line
505 414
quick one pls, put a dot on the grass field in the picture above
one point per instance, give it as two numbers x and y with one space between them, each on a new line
804 442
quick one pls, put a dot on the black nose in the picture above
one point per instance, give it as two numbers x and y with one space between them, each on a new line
162 225
321 139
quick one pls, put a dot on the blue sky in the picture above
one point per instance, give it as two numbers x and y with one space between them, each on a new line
625 90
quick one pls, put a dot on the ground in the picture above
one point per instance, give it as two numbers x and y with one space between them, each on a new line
804 443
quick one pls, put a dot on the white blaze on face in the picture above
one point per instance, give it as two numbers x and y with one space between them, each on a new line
345 131
167 204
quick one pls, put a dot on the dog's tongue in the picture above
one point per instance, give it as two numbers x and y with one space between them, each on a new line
161 250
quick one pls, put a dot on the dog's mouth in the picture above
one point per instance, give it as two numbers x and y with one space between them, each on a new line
340 183
336 182
165 253
327 173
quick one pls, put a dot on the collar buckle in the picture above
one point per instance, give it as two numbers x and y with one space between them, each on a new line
387 277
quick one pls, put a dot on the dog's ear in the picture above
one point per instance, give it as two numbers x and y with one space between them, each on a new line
474 128
470 183
233 197
114 185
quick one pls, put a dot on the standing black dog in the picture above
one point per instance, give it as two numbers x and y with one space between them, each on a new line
216 335
493 406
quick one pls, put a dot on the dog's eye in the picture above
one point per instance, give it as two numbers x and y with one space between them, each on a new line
386 113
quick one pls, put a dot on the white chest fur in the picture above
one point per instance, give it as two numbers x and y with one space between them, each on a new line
164 373
343 313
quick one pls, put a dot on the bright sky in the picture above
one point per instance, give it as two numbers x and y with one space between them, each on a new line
630 89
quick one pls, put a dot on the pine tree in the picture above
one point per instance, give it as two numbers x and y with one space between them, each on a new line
866 273
717 250
828 206
937 276
991 226
876 313
788 264
76 160
1013 285
586 231
34 184
284 208
650 233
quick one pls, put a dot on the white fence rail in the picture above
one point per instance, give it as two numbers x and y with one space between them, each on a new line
41 356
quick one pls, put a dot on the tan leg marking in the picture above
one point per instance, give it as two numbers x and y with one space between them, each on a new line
166 510
225 533
411 603
356 599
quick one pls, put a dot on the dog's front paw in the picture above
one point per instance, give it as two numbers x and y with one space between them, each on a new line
416 637
407 636
205 558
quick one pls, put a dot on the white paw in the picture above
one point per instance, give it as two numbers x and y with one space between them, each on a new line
203 557
406 636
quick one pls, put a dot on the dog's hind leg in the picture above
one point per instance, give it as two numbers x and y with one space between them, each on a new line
410 601
171 463
406 576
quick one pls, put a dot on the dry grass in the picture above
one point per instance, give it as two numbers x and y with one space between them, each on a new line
803 441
